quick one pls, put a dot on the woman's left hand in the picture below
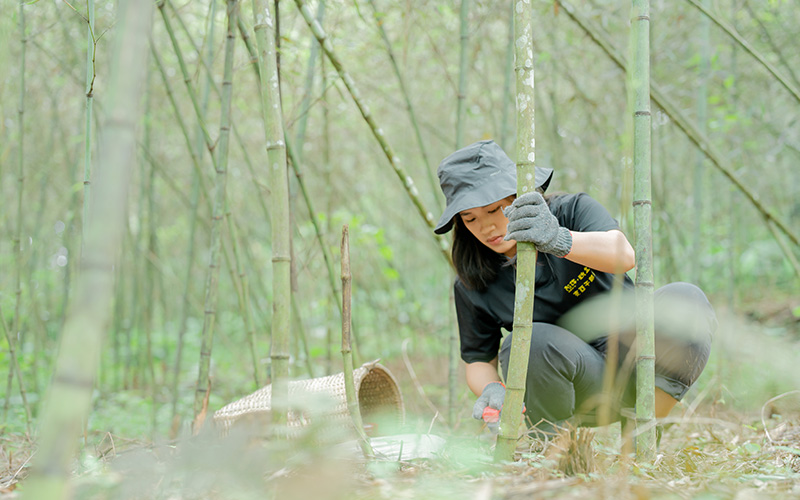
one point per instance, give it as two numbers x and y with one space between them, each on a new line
530 220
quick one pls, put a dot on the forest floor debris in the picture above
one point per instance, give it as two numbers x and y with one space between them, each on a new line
713 455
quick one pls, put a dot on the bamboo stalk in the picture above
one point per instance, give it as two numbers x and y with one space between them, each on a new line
69 397
347 354
765 33
377 132
511 416
244 298
699 170
16 325
409 106
748 48
300 137
279 182
221 167
149 283
645 340
13 367
677 116
91 47
508 97
462 73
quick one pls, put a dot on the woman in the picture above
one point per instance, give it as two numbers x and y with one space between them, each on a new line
580 248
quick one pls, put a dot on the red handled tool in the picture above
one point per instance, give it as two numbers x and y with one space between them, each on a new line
490 415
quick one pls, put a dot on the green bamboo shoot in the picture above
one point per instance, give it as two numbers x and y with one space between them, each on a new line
462 73
347 353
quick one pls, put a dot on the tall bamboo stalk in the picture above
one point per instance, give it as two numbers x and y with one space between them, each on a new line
431 176
642 207
212 277
526 252
305 105
150 253
462 72
508 96
699 167
408 182
16 325
279 182
347 354
69 397
679 118
91 46
244 297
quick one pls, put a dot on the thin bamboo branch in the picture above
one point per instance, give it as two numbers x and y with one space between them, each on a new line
642 208
511 416
748 48
377 132
149 296
281 251
14 368
688 128
221 166
69 397
347 354
434 184
774 46
91 48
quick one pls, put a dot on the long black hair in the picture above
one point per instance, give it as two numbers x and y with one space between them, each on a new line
476 264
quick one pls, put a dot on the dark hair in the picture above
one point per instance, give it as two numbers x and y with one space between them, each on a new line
476 264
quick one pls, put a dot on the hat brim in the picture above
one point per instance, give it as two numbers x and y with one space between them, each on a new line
488 193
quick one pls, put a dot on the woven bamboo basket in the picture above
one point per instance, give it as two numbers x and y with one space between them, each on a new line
378 394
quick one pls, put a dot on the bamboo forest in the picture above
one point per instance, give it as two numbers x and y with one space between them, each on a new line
373 249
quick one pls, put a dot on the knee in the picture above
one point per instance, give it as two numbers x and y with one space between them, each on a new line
683 312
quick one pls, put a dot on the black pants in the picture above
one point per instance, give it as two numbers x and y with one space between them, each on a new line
567 361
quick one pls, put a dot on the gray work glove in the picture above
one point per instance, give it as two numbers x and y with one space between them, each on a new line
530 220
489 404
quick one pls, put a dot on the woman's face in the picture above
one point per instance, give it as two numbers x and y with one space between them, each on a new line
488 225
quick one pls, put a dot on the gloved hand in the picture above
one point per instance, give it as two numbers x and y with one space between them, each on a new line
530 220
490 399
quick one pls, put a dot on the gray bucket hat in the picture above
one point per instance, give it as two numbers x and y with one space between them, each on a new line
478 175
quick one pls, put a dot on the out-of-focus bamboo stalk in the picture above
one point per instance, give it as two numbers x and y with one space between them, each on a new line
69 397
377 132
17 241
511 417
679 118
462 73
305 105
642 208
429 172
279 183
13 366
221 166
508 96
748 48
699 166
347 353
149 282
244 297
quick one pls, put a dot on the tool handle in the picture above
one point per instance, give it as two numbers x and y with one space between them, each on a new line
490 414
